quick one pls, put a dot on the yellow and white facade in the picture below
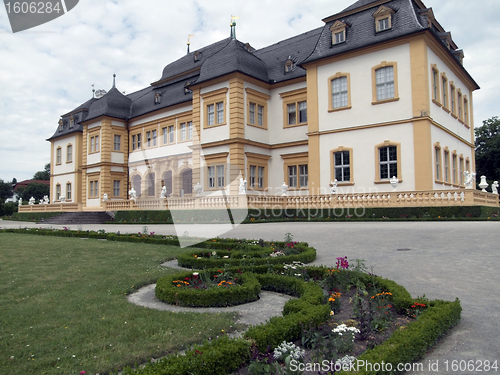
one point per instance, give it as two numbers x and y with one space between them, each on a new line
362 110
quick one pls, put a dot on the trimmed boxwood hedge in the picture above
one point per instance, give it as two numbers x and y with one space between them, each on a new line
34 216
255 255
247 291
221 356
332 214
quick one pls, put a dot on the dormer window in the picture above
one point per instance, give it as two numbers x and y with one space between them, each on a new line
338 30
197 56
71 122
61 125
383 24
383 18
289 65
157 98
446 39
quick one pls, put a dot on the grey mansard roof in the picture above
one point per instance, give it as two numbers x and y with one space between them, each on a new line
233 57
361 32
266 64
112 104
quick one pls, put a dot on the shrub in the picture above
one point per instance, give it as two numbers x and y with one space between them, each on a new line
247 291
255 255
221 356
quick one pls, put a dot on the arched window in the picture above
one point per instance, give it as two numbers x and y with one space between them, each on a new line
187 181
151 185
167 181
136 184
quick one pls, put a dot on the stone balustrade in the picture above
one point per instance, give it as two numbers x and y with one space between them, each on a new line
451 197
63 207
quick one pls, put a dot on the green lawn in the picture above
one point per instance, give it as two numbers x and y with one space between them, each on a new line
63 306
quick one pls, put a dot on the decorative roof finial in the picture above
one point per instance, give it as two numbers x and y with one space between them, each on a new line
114 81
233 26
189 41
93 91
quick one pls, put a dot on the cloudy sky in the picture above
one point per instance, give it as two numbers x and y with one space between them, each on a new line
49 70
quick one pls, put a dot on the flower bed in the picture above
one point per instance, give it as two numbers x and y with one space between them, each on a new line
428 320
209 288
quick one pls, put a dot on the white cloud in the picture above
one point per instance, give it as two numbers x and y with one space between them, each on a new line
47 71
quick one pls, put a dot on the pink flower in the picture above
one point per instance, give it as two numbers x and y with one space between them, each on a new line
83 372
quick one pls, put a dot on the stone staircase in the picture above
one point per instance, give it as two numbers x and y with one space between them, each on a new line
68 218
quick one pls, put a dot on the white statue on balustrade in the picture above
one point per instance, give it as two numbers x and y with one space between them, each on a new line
394 182
333 185
163 193
284 188
469 179
243 186
46 199
105 197
20 203
132 193
31 202
62 198
198 189
494 187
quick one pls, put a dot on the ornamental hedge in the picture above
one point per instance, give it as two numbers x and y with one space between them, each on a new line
314 214
247 290
255 255
404 346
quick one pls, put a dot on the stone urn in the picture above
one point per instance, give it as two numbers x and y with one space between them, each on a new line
483 184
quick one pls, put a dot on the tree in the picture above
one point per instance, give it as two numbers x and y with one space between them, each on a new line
43 175
5 190
35 190
488 149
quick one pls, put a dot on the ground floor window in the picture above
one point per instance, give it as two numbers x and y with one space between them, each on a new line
298 176
94 189
256 177
116 188
388 160
187 181
215 176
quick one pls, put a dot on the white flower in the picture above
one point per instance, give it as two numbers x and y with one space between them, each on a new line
345 360
214 253
226 256
11 357
195 273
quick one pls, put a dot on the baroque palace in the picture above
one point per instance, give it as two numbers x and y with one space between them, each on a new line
378 91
